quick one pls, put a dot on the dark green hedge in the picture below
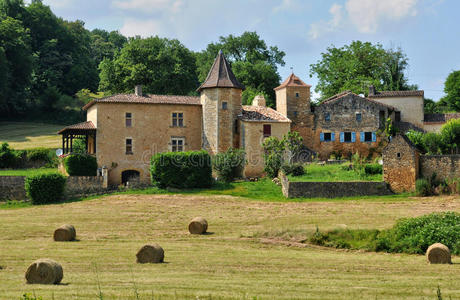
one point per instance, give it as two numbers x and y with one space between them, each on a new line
9 158
373 169
80 165
45 188
181 169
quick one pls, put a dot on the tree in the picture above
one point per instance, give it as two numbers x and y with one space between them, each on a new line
293 142
450 134
357 66
452 90
163 66
254 63
106 44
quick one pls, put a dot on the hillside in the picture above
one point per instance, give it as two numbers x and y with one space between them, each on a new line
24 135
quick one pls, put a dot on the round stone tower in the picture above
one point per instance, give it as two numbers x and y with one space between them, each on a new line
221 106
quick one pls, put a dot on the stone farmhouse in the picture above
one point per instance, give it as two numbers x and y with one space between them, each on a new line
123 131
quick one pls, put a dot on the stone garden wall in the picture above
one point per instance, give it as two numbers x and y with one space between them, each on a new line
445 166
12 188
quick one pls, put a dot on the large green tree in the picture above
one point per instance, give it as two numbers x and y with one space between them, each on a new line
161 65
106 44
452 90
356 66
253 62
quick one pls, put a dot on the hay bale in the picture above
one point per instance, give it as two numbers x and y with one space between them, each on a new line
152 253
198 226
65 233
44 271
438 254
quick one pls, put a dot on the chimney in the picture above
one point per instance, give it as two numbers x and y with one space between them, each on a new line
138 90
371 90
259 100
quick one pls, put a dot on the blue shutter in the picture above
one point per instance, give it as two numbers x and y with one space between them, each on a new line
342 137
332 136
321 137
361 136
374 137
353 137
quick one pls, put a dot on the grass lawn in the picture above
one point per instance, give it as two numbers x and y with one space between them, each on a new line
24 135
234 261
315 172
27 172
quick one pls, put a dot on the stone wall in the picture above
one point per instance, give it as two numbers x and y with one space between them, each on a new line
12 188
84 185
445 166
332 189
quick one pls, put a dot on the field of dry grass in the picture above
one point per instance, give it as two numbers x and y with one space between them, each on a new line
25 135
229 263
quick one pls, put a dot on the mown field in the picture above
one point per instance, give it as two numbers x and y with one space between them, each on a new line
241 258
25 135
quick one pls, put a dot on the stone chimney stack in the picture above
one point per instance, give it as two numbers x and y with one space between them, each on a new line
138 90
371 90
259 100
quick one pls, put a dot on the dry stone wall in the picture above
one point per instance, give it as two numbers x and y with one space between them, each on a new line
12 188
445 166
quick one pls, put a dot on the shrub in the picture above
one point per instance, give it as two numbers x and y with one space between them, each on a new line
81 165
181 169
273 157
372 169
38 154
79 146
230 164
45 188
8 157
293 169
423 187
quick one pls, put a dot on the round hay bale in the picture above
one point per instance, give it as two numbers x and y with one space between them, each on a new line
438 254
198 226
65 233
152 253
44 271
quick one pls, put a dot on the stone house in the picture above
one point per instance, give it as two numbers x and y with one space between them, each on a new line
124 131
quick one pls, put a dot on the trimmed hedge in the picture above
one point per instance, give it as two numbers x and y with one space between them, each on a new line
9 158
80 165
40 154
373 169
181 169
293 169
45 188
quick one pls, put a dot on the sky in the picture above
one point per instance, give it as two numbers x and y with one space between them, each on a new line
428 31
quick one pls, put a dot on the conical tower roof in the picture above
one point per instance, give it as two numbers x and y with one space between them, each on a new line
221 75
292 80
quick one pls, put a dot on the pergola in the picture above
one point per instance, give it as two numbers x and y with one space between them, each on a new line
84 131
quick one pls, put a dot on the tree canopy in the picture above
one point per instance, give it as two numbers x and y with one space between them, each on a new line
253 62
357 66
452 90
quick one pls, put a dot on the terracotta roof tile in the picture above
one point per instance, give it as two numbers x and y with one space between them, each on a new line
221 75
146 99
347 93
80 126
261 114
292 80
383 94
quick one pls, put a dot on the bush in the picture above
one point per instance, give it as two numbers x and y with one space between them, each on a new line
230 164
273 157
8 157
423 187
81 165
373 169
38 154
181 169
293 169
45 188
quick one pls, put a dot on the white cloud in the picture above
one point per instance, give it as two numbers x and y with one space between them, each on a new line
149 5
368 15
144 28
59 3
365 16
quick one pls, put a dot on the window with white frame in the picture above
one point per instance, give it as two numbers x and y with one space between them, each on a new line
177 144
128 119
129 146
178 119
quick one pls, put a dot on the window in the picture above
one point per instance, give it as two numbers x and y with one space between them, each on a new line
129 146
235 127
177 144
297 95
327 117
177 119
398 116
348 137
128 119
224 105
368 137
327 137
398 155
295 114
381 119
267 130
359 117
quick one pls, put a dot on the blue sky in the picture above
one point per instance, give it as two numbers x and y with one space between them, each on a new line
427 30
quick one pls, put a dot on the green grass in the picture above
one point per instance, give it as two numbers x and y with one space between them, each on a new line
229 263
25 135
27 172
333 172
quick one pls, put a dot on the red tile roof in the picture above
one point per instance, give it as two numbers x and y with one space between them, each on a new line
221 75
262 114
83 126
292 80
146 99
347 93
384 94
